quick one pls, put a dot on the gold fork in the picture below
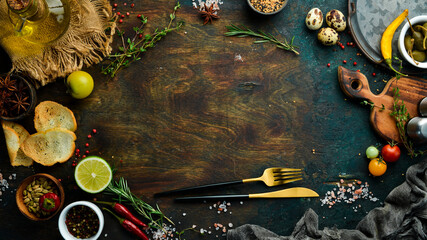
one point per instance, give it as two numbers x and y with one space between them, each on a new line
271 177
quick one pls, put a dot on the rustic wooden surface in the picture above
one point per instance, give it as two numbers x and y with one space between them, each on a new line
192 112
411 90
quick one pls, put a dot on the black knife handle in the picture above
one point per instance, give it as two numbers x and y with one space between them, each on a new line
197 188
215 197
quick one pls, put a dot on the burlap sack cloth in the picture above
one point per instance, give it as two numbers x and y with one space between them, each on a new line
85 42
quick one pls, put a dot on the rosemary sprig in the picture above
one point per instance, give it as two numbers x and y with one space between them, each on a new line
122 190
131 49
243 31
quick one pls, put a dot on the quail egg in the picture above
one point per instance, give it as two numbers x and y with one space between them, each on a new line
328 36
336 20
314 19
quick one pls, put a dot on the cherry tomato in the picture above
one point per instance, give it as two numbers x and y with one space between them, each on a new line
377 167
390 153
372 152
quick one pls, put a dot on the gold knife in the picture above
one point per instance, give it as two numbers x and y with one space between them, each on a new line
286 193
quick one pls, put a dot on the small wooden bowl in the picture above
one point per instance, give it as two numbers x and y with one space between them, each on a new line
20 198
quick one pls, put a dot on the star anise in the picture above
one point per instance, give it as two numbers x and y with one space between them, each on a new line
8 83
209 14
20 103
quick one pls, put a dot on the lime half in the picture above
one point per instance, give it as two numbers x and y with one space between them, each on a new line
93 174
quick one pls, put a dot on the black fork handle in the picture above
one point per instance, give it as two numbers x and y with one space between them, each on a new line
222 197
188 189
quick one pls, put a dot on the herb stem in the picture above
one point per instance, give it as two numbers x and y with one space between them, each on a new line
244 31
131 49
122 190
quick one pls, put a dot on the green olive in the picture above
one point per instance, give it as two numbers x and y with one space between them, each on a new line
409 45
418 40
419 56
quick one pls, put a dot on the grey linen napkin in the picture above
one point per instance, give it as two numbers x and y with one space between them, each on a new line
404 216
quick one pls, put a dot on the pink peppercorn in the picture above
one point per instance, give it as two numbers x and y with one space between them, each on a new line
89 136
87 152
127 14
94 130
140 35
122 16
83 156
132 5
120 20
139 16
344 61
115 5
374 74
328 65
87 145
355 63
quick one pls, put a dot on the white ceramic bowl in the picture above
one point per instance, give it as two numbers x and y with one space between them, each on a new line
63 227
401 44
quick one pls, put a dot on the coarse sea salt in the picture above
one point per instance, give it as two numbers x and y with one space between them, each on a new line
342 194
200 5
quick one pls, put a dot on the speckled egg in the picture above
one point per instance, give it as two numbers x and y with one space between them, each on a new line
328 36
314 19
336 20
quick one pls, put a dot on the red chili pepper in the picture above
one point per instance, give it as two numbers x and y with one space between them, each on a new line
124 212
128 225
49 202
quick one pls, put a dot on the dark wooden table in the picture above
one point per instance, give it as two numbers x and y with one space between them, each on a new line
202 108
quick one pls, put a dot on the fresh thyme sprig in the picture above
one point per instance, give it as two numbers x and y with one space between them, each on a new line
122 190
243 31
131 49
401 115
372 105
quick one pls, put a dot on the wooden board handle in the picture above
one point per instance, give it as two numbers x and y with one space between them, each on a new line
354 84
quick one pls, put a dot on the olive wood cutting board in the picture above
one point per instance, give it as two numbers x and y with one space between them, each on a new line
411 89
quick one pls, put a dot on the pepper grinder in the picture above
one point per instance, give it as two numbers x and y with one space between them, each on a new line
417 126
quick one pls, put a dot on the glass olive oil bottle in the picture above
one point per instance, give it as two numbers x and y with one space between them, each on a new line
39 21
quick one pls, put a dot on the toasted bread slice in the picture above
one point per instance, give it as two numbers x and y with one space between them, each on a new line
12 142
18 159
19 129
55 145
50 115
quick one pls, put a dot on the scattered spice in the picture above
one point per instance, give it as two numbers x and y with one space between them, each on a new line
267 6
348 193
208 13
82 222
4 184
328 64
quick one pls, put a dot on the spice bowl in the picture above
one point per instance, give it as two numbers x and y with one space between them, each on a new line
267 7
401 41
18 97
23 188
75 208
